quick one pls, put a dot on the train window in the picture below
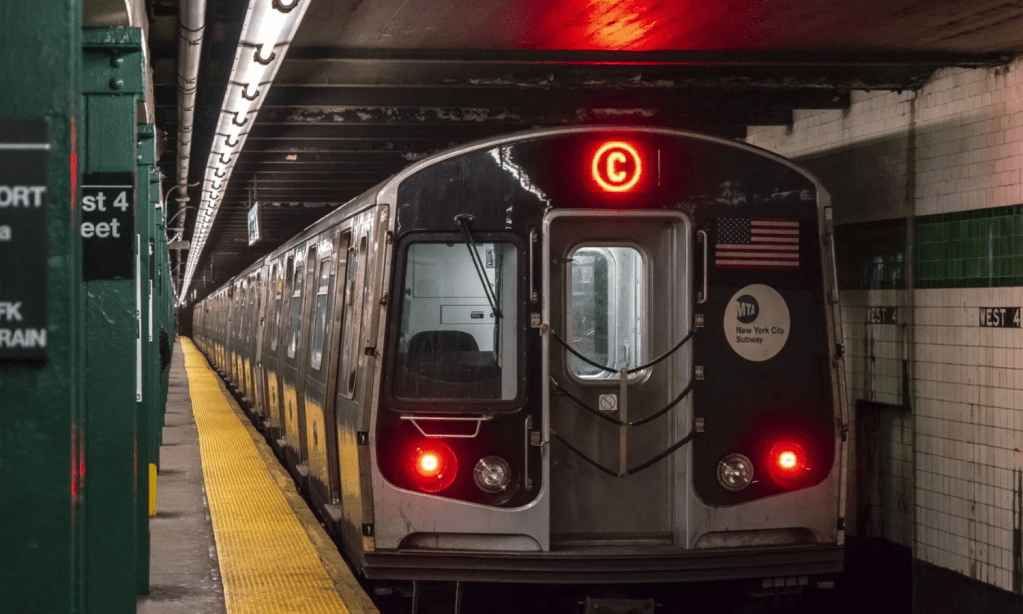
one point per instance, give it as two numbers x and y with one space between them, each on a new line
252 309
451 344
349 332
296 308
320 314
605 309
275 333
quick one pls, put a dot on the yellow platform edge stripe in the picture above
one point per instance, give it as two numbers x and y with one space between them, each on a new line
152 490
268 562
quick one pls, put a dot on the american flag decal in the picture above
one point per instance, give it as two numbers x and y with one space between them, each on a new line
757 243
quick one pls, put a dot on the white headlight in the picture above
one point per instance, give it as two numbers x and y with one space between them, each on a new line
735 472
492 474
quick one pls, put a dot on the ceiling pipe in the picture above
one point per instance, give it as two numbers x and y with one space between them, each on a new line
191 24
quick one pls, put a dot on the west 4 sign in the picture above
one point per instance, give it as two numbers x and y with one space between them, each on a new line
1000 317
108 226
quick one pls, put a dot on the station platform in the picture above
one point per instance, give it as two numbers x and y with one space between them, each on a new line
231 532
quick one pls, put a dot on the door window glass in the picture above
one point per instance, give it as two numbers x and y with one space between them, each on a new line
605 309
451 345
349 354
296 309
278 304
320 314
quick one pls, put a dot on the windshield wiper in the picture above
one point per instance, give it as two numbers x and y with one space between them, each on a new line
463 220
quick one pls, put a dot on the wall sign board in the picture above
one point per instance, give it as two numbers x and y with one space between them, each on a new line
108 226
255 224
1000 317
24 202
882 315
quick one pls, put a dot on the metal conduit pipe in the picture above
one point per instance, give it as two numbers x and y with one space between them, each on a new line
191 24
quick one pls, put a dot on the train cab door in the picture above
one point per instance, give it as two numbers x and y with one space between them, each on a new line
618 292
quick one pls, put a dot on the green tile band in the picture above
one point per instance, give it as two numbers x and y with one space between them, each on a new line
982 248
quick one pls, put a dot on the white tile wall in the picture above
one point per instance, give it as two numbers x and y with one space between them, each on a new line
950 465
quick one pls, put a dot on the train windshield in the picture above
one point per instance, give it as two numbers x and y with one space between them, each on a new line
452 345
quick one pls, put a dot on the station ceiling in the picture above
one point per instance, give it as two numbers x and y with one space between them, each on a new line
369 87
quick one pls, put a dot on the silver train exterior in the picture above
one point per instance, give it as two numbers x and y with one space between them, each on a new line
571 355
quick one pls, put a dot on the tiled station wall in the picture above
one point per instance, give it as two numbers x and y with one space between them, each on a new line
926 189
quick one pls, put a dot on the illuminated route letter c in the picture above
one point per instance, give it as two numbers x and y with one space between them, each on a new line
613 161
610 169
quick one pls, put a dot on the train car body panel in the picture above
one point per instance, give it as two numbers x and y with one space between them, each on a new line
709 181
470 336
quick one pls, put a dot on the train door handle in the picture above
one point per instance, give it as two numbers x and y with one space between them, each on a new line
701 237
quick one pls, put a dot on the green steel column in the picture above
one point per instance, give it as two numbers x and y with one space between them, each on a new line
112 77
159 243
41 404
146 156
166 307
166 302
167 311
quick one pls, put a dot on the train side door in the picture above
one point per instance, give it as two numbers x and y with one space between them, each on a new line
330 361
319 424
295 359
263 345
276 357
257 346
618 293
348 404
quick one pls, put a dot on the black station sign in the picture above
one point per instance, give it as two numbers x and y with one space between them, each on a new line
255 224
24 202
882 315
1000 317
108 226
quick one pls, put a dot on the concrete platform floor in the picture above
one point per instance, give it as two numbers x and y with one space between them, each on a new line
184 573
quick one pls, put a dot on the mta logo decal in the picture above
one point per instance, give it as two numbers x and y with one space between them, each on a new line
749 309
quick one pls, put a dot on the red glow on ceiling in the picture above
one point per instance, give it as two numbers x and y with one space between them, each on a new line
644 25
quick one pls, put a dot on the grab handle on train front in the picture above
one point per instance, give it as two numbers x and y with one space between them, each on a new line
701 237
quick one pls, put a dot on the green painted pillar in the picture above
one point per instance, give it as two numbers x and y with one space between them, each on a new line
160 307
166 308
147 406
41 403
112 78
167 312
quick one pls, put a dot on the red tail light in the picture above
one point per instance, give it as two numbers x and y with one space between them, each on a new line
787 463
434 466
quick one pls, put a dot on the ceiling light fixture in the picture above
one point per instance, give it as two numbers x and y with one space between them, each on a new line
266 35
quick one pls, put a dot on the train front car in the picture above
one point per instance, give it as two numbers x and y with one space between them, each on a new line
610 355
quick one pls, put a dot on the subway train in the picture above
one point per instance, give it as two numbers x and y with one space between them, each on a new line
581 355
